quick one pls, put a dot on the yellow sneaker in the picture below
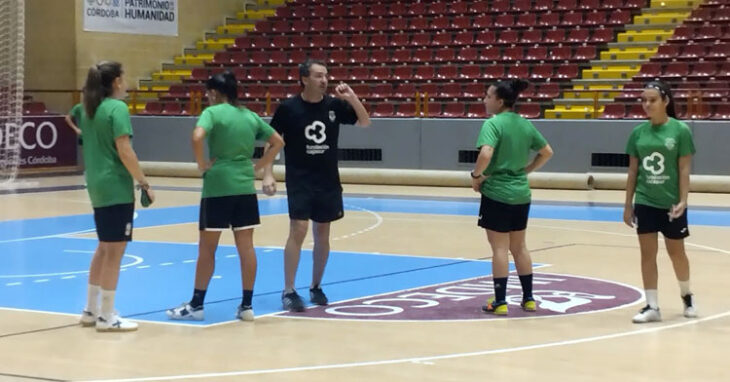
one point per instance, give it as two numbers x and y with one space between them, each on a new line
496 308
529 305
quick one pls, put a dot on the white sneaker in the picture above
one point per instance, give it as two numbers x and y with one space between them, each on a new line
87 319
647 314
245 313
114 323
689 306
186 312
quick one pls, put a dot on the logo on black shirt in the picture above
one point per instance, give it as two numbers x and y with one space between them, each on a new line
316 132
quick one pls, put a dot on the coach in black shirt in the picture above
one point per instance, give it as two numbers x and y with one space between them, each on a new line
310 124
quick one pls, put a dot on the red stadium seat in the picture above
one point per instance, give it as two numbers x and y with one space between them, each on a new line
636 111
454 110
614 111
666 53
383 109
406 110
529 110
405 91
476 110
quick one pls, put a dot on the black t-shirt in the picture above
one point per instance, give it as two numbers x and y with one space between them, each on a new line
311 132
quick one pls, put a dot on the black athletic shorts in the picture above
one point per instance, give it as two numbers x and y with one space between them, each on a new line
502 217
114 223
651 219
236 212
321 206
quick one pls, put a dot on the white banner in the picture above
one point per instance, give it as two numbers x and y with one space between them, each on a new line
155 17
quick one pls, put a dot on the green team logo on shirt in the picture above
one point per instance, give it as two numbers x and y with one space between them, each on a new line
670 143
654 164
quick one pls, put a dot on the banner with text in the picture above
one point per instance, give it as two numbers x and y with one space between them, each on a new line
154 17
43 142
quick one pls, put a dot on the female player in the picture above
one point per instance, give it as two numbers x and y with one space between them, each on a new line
111 168
500 175
660 155
229 197
74 117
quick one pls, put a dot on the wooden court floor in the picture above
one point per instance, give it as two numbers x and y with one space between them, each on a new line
601 345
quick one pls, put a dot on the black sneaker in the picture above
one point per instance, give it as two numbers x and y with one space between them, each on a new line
292 302
316 296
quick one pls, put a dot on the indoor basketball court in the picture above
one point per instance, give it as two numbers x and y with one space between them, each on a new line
408 274
409 268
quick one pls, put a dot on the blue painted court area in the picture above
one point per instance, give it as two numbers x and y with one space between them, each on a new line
50 275
44 267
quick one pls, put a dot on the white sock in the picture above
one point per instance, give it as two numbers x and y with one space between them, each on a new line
684 288
652 298
107 302
92 299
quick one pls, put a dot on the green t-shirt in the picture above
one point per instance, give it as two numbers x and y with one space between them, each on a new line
658 149
76 112
107 180
232 133
512 138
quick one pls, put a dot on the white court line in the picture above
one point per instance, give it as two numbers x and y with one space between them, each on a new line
431 358
277 314
443 356
257 317
570 229
41 281
487 318
175 323
395 255
137 260
576 341
47 236
265 247
188 261
166 264
625 235
163 225
378 222
14 284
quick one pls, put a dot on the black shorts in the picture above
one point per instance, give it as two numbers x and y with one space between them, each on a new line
114 223
318 205
502 217
651 219
237 212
